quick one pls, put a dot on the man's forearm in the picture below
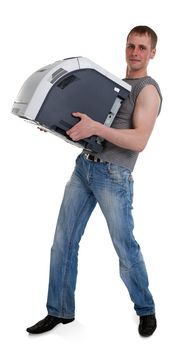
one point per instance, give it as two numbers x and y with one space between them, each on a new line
130 139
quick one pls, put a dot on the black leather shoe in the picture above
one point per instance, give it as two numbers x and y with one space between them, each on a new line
147 325
48 323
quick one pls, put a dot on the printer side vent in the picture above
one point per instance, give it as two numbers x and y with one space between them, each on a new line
57 74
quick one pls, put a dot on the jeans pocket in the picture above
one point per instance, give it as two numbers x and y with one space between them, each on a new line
119 174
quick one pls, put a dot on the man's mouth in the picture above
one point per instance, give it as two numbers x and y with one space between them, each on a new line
134 60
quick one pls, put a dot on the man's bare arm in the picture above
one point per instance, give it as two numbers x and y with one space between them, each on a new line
145 114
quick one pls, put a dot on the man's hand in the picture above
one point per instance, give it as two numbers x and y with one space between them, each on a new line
86 127
42 129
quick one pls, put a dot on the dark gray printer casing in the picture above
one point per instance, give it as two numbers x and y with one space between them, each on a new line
50 95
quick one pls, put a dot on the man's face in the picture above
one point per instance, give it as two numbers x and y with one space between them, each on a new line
139 52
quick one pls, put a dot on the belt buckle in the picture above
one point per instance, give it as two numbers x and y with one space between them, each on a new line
87 155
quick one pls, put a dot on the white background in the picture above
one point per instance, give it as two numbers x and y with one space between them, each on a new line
36 166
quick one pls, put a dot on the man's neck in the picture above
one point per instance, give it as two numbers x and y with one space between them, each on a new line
136 74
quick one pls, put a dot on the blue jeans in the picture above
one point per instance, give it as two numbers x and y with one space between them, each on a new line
110 186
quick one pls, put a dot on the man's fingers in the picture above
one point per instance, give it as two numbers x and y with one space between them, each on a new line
41 129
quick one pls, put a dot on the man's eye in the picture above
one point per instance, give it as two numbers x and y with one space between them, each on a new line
130 46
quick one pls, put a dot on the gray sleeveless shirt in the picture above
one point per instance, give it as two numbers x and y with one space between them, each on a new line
123 120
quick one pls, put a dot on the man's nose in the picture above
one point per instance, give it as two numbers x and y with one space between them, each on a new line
135 51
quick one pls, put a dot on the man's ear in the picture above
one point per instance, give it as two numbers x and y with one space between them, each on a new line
153 52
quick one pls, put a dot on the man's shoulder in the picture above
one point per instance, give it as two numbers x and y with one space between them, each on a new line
144 82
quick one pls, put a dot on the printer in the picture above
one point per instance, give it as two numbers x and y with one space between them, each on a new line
50 95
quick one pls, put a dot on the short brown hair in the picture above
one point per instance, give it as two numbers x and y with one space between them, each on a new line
145 30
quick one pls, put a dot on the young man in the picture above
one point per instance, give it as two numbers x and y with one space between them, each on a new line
106 179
